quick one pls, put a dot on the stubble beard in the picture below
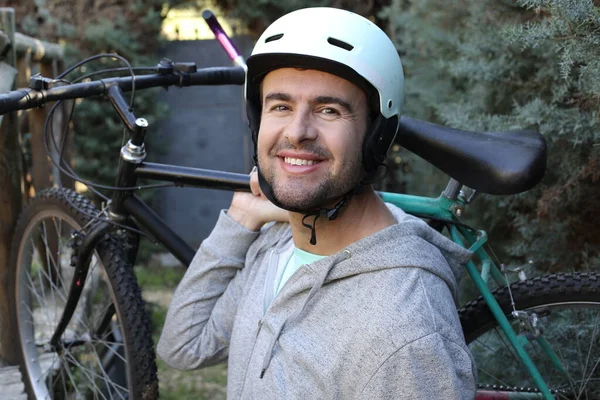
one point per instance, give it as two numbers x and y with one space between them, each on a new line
300 195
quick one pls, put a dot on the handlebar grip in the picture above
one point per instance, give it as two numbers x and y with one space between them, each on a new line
24 99
18 100
219 76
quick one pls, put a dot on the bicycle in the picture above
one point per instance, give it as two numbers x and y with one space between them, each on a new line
79 315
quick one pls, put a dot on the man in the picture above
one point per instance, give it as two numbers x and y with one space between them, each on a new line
346 297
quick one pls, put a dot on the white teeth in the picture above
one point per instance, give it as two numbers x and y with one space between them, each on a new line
299 161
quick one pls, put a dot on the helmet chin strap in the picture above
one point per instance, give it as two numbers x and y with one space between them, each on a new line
330 213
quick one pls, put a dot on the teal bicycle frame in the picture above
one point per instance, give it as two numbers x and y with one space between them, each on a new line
448 208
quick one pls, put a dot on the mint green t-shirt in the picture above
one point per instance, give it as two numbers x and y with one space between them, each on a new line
297 259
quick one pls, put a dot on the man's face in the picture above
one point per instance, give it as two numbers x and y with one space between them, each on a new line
310 138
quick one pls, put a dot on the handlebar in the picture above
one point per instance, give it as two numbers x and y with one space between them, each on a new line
24 99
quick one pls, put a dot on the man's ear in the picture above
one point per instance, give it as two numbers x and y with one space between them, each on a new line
377 142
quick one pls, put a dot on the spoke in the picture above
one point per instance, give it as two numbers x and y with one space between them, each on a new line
33 289
41 361
46 322
85 371
58 376
111 345
58 273
100 340
589 355
580 357
41 268
507 346
494 378
100 364
63 382
103 329
590 375
108 343
43 306
49 279
48 255
570 381
105 320
30 313
59 233
86 327
104 375
93 373
482 343
68 371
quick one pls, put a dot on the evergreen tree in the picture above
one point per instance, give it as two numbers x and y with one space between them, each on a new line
489 65
258 14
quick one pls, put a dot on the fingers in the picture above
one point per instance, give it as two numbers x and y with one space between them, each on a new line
254 186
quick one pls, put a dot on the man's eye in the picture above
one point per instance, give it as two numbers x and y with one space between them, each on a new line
329 111
279 107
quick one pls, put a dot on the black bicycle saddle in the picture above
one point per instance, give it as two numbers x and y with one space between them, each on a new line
490 162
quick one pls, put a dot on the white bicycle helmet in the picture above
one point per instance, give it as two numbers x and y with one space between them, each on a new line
341 43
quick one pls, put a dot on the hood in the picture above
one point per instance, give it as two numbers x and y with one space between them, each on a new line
409 243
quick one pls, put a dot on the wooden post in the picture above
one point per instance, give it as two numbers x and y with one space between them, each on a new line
59 126
40 50
10 199
40 164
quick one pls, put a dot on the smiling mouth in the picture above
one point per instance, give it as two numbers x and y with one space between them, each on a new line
299 161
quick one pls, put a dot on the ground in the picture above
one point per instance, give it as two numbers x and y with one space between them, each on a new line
208 383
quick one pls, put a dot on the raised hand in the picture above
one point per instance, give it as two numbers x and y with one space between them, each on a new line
253 210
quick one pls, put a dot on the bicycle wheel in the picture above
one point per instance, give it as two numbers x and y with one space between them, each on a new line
106 351
567 308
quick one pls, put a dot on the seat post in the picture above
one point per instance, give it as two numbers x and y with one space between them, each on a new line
452 189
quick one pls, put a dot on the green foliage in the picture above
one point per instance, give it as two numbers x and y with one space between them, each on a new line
528 64
258 14
159 277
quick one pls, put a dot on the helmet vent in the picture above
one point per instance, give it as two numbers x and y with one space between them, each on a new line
339 43
273 38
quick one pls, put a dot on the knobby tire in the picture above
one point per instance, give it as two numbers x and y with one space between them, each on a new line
567 306
106 351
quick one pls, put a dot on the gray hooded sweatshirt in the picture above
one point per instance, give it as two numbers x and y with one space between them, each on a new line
376 320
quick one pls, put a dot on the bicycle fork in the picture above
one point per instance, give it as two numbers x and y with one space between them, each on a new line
132 154
82 263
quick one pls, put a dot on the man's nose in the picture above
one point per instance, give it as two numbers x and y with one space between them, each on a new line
301 127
